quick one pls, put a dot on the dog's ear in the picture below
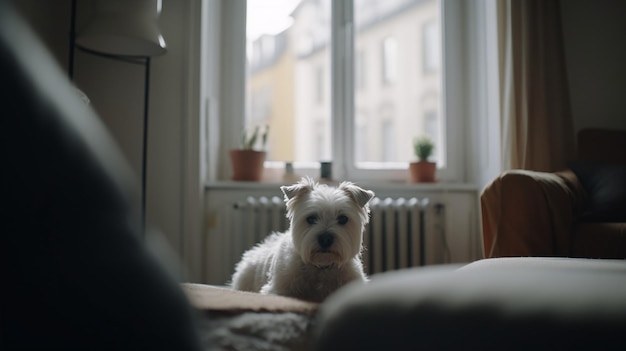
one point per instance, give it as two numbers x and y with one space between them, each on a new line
290 191
360 195
306 184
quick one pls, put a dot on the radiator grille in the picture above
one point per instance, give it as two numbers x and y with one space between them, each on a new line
404 233
257 217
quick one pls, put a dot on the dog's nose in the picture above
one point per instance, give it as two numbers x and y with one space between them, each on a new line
325 240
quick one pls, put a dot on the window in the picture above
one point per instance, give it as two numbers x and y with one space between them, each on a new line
315 69
390 60
320 87
388 135
430 47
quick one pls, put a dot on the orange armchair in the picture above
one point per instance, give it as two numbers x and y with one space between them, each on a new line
578 212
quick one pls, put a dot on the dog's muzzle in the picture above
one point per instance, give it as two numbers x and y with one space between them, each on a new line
325 240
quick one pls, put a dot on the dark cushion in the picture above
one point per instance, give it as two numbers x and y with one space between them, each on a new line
605 185
75 271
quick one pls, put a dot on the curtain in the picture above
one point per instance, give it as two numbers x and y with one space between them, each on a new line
537 127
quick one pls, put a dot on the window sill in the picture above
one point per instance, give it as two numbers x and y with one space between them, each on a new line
383 186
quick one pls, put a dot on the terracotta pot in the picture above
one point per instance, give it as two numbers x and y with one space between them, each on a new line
247 164
423 171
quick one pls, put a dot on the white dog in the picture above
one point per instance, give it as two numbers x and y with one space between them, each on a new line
319 253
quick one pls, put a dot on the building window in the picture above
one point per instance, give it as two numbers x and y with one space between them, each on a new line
388 134
390 60
320 87
431 47
312 58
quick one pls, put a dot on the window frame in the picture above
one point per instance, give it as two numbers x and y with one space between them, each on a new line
342 101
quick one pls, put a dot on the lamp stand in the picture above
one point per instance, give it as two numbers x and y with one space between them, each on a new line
144 153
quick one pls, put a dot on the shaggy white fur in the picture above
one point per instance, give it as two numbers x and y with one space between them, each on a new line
321 250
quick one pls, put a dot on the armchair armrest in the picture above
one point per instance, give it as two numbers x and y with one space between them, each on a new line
528 213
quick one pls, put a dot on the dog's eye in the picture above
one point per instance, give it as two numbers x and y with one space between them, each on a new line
342 219
311 219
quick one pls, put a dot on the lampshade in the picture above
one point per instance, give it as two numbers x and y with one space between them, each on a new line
124 27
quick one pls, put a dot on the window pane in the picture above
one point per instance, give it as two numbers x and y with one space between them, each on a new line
398 46
288 85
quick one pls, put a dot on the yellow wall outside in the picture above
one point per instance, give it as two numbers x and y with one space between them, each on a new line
279 78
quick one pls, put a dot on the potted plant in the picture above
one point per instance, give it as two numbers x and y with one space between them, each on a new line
247 160
423 171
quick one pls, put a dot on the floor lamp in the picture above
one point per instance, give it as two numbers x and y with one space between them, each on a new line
123 30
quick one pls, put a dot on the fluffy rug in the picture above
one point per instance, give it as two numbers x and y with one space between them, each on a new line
285 331
236 320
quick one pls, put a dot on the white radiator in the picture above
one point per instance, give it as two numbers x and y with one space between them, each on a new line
402 232
257 217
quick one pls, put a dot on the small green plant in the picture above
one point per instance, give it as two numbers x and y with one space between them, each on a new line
423 147
249 142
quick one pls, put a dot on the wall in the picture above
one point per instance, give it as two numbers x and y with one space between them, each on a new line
594 33
174 185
